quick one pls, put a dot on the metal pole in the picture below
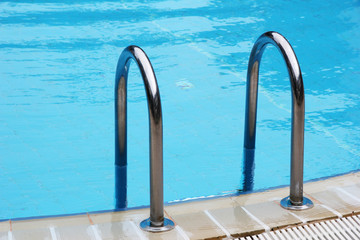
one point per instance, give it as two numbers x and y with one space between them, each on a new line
295 201
156 222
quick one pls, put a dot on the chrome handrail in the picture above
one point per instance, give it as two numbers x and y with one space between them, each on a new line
295 201
156 222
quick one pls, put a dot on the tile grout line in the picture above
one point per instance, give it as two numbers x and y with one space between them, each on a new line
10 234
303 220
90 220
94 228
177 227
53 233
217 223
138 231
348 194
169 216
266 227
332 210
182 232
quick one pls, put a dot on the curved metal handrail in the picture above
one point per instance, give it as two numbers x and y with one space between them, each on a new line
156 222
295 200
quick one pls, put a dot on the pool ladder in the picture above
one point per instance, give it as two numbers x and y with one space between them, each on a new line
296 200
156 222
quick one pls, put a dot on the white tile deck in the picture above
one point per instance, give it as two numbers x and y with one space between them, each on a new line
222 218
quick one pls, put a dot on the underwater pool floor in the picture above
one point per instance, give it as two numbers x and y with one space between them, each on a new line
221 218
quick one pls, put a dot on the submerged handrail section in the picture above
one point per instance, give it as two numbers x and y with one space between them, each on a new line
156 222
296 200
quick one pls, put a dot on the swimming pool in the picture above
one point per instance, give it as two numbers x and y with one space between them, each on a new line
57 69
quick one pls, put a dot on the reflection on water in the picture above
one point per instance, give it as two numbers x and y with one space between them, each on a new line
248 170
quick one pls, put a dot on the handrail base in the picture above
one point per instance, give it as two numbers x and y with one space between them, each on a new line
287 204
146 226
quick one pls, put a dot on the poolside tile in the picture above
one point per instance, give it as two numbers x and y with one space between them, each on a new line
80 232
74 227
126 224
254 198
33 234
339 181
235 220
4 236
131 230
315 213
314 187
214 218
198 206
272 214
4 226
198 225
119 216
173 234
338 201
353 189
116 230
50 222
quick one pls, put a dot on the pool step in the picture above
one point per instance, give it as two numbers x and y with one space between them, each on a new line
341 228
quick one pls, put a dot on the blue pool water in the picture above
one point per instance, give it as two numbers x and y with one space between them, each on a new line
57 66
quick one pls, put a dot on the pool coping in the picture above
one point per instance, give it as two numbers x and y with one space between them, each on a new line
216 218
